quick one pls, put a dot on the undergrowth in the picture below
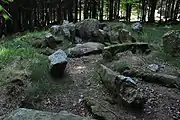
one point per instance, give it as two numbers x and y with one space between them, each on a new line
19 46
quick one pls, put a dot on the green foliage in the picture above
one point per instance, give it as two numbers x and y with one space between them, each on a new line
166 58
107 55
17 46
153 34
3 11
124 2
120 66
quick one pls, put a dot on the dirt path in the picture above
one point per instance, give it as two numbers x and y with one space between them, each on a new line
82 82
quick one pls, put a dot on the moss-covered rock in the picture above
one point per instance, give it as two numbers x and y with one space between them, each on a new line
171 42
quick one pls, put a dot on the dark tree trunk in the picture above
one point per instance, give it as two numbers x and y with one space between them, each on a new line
111 10
161 10
101 10
115 10
118 7
153 4
90 9
85 9
76 11
172 9
94 9
128 12
80 10
70 11
59 12
144 10
176 9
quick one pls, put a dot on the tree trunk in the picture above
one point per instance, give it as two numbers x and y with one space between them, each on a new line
128 11
118 7
161 10
94 9
176 9
153 4
144 10
172 9
85 9
76 11
101 10
80 10
111 10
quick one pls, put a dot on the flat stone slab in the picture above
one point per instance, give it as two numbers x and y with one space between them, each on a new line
85 49
30 114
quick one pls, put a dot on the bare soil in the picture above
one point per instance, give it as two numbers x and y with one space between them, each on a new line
83 84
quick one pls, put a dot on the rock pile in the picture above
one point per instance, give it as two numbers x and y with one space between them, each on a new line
91 30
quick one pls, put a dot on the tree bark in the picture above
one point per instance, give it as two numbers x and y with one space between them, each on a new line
111 10
80 10
101 10
76 11
176 9
94 9
153 4
85 9
172 9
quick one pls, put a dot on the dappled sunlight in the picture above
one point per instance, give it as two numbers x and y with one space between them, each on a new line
78 69
4 51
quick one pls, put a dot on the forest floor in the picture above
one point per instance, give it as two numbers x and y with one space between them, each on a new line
25 80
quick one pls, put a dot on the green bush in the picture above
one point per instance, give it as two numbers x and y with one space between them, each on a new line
120 66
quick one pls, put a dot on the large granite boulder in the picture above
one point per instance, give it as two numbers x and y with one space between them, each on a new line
30 114
50 40
85 49
101 37
117 26
171 42
125 36
67 30
113 35
55 30
102 26
58 62
87 29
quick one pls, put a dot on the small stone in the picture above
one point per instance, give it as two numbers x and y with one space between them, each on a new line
137 27
80 100
154 67
149 112
88 84
74 103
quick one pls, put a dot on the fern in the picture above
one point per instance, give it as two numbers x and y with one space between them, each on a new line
3 12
